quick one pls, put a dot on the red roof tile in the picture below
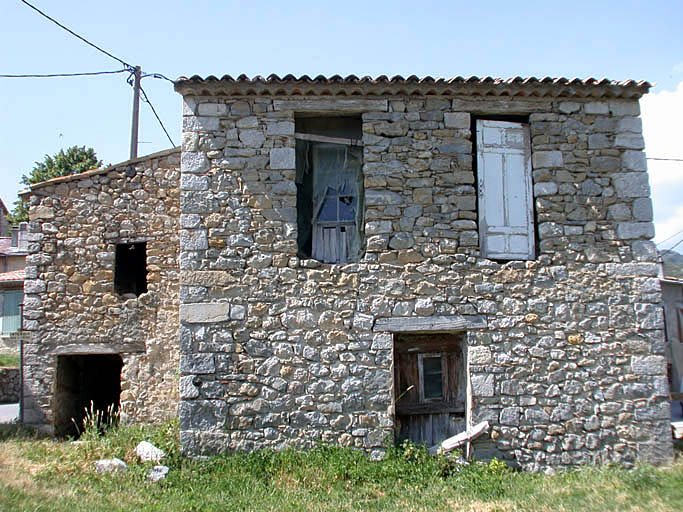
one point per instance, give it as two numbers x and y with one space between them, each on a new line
412 85
13 276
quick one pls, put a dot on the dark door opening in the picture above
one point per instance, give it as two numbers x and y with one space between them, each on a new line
85 383
429 385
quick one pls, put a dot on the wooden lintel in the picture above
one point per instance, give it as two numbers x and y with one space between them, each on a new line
75 349
332 140
429 408
430 323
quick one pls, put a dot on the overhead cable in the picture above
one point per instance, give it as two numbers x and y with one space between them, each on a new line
672 236
59 75
146 100
76 35
672 247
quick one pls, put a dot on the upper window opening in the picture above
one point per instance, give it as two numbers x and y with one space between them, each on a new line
504 182
130 268
329 181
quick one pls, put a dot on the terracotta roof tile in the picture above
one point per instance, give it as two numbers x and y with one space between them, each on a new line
412 85
13 276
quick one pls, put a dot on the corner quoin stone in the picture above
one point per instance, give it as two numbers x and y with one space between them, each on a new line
204 312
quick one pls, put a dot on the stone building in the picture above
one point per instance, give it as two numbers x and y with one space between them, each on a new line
362 259
101 294
12 261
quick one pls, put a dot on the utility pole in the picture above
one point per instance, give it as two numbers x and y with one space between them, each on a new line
136 114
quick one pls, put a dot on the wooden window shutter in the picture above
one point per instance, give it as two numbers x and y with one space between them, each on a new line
506 214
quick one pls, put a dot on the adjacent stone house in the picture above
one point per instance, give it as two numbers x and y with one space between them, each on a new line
12 262
353 260
101 294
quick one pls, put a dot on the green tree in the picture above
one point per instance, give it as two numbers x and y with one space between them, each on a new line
72 161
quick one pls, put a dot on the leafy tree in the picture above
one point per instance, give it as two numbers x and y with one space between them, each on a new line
76 159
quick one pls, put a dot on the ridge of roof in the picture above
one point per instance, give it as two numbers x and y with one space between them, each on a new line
94 172
412 85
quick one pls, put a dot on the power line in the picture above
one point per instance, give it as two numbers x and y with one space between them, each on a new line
76 35
666 159
672 236
157 75
58 75
672 247
146 100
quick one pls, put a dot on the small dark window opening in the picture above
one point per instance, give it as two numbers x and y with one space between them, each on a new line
130 269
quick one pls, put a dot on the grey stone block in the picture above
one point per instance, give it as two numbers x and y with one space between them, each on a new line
482 385
193 162
282 158
633 230
545 189
197 363
205 312
547 159
631 184
459 120
629 141
642 209
596 107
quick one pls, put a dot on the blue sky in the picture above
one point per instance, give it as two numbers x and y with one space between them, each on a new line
614 39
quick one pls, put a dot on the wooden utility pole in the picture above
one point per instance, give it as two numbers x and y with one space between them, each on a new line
136 114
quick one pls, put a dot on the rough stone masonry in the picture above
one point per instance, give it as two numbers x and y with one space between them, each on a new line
564 352
70 305
277 349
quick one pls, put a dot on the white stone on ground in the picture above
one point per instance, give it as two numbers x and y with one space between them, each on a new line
110 466
157 473
147 452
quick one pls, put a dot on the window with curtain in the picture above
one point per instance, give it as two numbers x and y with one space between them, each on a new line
330 208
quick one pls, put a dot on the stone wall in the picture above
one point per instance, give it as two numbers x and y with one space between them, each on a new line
71 306
10 382
10 343
570 366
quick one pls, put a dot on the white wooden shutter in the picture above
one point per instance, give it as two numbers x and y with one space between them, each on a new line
506 219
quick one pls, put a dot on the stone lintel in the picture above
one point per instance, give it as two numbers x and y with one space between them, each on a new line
332 105
75 349
430 323
501 106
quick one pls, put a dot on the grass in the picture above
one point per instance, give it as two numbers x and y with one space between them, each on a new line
41 474
9 360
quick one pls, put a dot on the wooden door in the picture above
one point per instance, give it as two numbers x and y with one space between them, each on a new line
429 378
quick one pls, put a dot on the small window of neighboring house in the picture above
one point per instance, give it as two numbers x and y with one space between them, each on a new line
130 268
506 203
10 310
329 183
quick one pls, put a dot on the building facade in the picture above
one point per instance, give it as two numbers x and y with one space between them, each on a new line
361 260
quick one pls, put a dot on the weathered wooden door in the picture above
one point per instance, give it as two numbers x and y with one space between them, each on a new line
429 378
